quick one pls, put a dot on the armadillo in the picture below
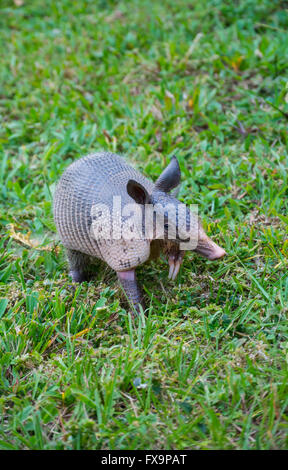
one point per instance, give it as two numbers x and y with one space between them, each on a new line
96 190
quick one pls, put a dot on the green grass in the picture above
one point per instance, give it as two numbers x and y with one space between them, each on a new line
207 367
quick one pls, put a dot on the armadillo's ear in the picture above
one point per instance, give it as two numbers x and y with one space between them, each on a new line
138 192
170 177
176 191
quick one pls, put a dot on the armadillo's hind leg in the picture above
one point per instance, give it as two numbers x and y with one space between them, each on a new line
78 263
133 292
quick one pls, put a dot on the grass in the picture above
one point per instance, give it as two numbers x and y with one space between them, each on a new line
207 367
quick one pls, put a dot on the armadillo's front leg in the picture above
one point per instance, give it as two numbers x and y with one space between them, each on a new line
78 263
129 283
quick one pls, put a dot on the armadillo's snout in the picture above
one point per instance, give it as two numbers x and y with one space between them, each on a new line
210 250
216 253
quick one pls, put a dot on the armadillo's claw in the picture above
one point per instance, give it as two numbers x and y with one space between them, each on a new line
174 263
171 269
174 269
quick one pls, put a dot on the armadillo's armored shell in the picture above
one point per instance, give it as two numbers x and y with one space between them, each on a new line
90 181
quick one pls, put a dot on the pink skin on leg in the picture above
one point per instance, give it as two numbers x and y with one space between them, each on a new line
127 275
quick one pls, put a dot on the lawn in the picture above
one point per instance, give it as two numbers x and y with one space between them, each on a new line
206 368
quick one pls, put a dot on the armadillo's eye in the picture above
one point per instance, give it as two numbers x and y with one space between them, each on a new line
166 225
